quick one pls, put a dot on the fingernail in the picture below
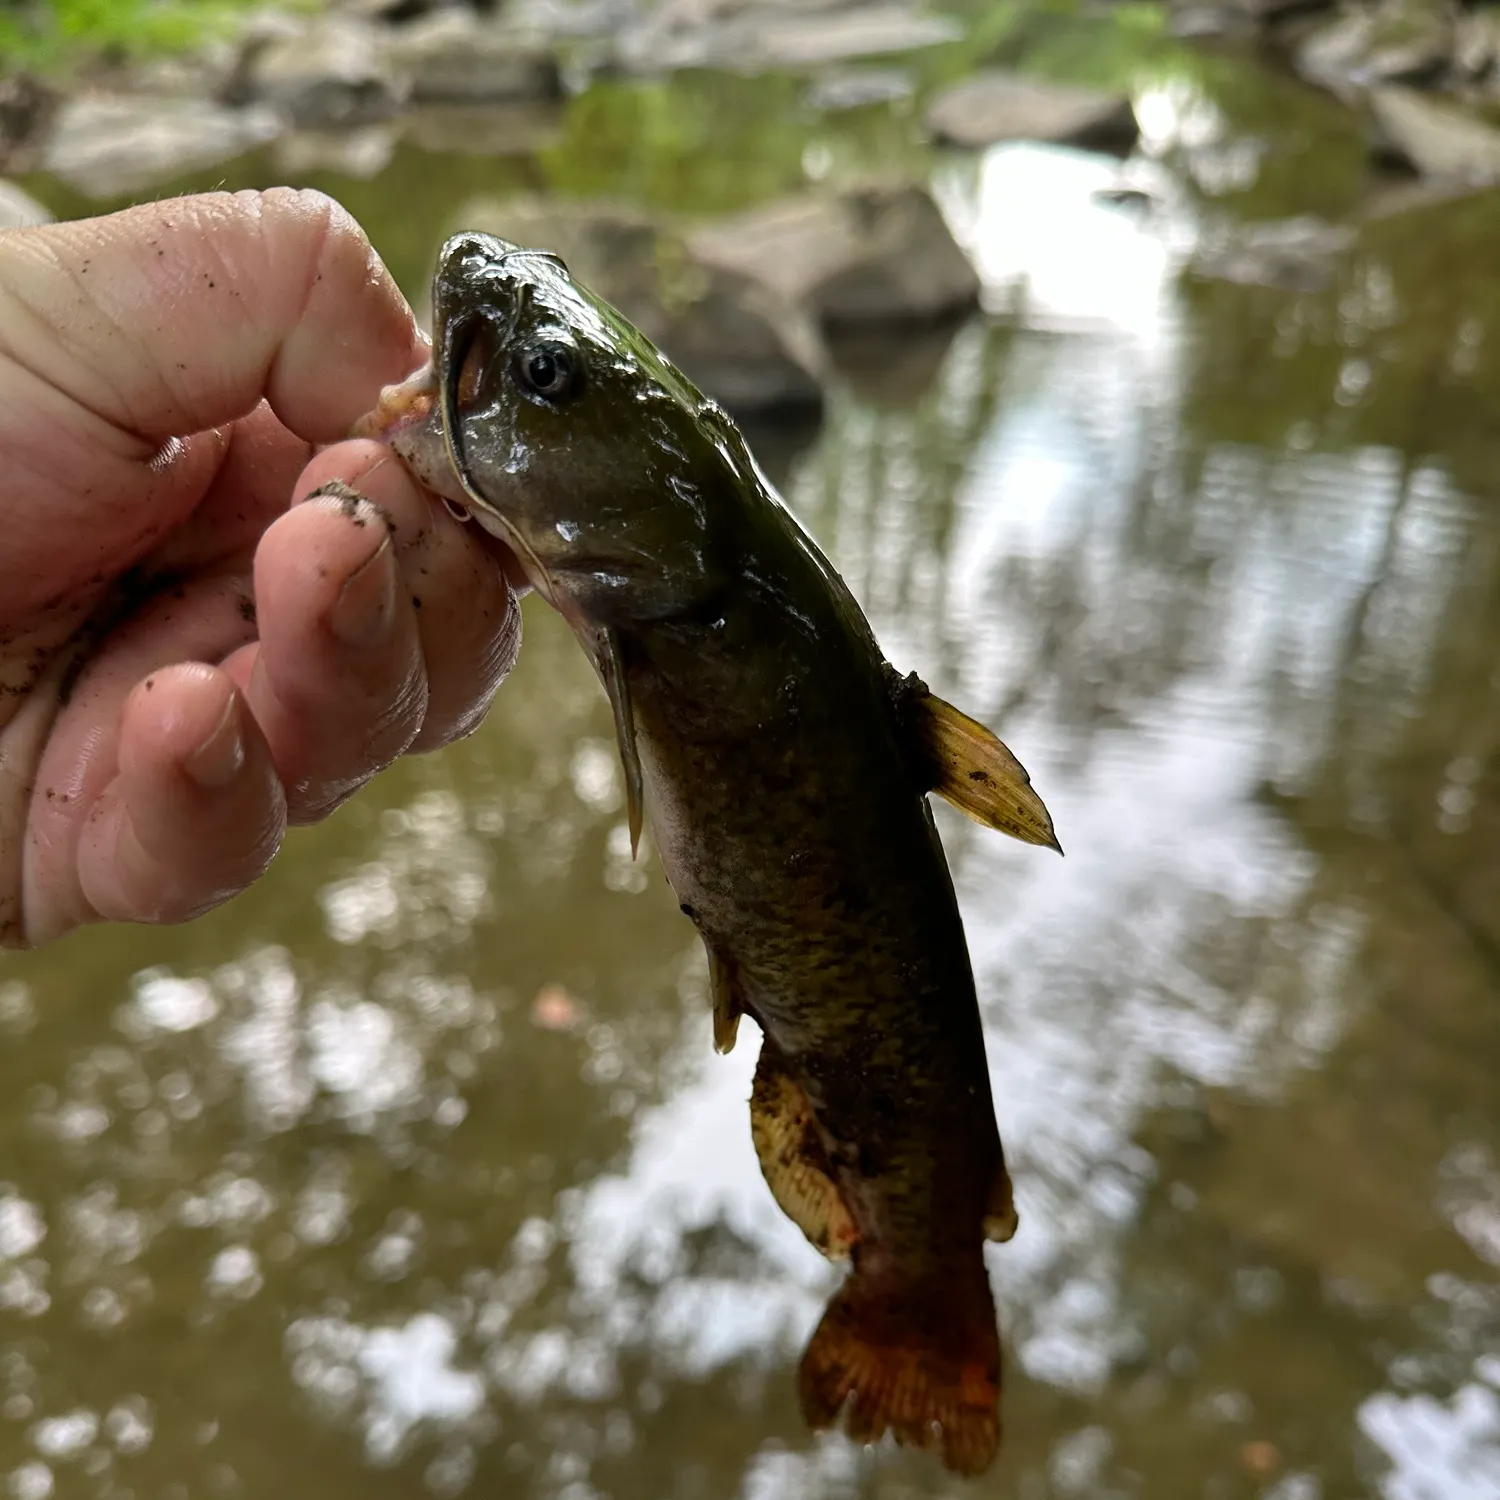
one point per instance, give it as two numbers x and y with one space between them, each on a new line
365 610
221 754
340 495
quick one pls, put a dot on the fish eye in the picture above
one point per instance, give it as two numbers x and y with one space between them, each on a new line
550 370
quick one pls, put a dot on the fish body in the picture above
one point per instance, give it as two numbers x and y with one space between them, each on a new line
786 812
785 766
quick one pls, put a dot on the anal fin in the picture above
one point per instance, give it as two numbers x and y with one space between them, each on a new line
792 1157
968 766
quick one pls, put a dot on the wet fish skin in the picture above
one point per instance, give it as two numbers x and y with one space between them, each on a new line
774 748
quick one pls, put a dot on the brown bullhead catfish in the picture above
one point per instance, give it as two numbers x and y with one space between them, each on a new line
785 767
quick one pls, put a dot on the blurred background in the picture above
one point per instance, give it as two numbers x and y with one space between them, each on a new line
1138 366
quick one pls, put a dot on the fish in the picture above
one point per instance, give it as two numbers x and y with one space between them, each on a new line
784 766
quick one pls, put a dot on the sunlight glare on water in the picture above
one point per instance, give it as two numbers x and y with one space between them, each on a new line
1053 252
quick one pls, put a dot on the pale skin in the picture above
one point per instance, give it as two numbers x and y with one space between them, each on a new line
196 648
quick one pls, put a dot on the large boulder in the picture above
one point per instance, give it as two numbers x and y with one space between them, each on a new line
332 74
995 106
778 35
110 145
733 336
1437 140
799 41
454 58
871 255
19 210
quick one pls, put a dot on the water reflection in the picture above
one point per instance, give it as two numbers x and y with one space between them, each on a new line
418 1156
1052 249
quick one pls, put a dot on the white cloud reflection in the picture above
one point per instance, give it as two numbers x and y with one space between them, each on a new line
404 1378
1054 254
1440 1450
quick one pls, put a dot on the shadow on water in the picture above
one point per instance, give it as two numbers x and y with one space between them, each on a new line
413 1170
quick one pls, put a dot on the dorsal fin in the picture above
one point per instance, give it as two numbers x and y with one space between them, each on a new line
959 759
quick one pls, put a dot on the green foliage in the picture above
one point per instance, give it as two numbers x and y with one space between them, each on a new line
713 143
1069 41
50 33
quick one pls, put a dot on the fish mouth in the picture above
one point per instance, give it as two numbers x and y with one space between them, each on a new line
419 417
416 416
458 336
406 404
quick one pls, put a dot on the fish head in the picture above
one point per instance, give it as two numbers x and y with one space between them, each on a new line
559 427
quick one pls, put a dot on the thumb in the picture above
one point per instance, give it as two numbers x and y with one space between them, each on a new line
121 334
174 317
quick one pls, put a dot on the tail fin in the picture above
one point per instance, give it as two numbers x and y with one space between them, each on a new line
920 1363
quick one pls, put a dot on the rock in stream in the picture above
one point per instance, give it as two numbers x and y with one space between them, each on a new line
871 255
995 106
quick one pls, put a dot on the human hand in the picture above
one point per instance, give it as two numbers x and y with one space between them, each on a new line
196 646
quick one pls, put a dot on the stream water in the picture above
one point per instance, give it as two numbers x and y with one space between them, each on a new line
413 1170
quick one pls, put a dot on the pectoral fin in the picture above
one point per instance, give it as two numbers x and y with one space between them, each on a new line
966 765
612 671
793 1159
727 1006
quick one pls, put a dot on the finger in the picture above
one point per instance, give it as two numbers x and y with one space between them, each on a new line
117 313
126 342
195 812
467 616
337 682
197 620
254 479
350 461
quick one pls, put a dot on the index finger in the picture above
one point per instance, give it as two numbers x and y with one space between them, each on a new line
175 317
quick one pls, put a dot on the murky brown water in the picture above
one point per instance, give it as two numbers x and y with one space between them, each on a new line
413 1170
